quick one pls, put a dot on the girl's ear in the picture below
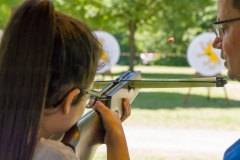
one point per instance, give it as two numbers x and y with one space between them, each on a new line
66 105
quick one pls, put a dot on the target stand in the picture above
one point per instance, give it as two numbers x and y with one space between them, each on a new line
197 75
205 60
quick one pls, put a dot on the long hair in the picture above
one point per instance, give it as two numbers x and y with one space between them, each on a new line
42 51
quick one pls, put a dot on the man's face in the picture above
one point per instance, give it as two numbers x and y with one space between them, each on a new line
229 43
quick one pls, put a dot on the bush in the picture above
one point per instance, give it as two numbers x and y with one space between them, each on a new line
124 60
170 60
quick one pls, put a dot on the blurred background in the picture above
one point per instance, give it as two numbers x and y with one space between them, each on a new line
166 124
140 26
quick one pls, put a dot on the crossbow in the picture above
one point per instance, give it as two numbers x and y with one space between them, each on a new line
88 133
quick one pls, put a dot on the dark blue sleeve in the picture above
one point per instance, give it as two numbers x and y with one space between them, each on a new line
233 152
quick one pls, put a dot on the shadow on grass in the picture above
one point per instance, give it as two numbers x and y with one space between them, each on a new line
158 100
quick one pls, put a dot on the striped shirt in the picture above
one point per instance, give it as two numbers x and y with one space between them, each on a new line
233 152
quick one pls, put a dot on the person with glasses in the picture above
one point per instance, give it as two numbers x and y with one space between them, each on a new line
48 62
227 29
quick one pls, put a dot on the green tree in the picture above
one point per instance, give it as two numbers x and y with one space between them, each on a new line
185 19
139 25
157 20
6 8
134 13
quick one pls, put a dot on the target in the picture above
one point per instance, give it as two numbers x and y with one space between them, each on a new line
111 49
203 57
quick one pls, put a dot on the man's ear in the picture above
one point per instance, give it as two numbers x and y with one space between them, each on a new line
66 105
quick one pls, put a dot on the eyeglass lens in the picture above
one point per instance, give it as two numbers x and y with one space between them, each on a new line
91 100
219 30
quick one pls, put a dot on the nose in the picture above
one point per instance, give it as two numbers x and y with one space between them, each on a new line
217 43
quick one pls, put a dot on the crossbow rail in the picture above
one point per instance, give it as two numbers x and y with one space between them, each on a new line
170 83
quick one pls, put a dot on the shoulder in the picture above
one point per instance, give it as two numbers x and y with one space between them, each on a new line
233 152
53 150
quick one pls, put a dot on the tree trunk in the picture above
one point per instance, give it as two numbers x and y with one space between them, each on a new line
132 28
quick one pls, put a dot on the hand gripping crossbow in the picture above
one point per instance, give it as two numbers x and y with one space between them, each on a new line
88 133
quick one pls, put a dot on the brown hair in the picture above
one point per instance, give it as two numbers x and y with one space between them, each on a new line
42 51
236 4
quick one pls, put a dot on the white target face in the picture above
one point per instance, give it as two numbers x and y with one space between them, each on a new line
203 57
111 49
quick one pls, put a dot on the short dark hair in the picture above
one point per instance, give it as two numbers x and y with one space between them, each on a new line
236 4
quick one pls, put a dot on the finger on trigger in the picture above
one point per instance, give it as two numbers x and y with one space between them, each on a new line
100 107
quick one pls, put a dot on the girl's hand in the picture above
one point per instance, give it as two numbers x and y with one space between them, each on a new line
126 107
110 118
111 121
114 138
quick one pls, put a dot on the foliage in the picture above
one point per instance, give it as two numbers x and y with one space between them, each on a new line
170 60
152 21
121 36
6 7
93 12
184 20
124 60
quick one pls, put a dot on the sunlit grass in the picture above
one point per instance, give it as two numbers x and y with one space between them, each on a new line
207 118
163 156
166 108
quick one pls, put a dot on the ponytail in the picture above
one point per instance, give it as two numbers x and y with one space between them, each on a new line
25 59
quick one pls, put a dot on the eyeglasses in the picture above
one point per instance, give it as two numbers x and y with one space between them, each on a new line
218 29
91 99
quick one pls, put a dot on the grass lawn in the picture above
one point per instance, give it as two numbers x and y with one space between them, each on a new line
166 108
166 105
